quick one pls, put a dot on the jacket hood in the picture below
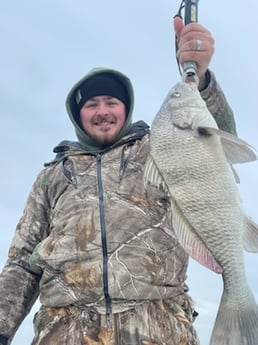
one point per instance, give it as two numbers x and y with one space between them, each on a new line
86 142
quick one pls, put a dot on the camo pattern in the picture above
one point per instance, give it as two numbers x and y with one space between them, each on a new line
151 323
56 252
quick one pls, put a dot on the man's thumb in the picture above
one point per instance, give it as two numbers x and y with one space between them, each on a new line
178 25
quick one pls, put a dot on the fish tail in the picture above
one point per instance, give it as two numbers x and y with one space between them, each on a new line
236 325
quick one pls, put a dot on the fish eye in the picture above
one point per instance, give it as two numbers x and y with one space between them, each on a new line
176 94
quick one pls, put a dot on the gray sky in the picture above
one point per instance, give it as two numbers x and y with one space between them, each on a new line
47 45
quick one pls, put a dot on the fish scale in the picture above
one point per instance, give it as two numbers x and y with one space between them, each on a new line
189 155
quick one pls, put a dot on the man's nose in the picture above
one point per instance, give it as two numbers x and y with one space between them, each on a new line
102 109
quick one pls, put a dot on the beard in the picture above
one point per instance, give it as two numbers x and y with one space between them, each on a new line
104 142
106 138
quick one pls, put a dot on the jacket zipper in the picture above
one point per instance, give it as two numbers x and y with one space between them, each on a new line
103 237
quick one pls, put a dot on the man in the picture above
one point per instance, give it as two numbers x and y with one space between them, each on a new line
95 246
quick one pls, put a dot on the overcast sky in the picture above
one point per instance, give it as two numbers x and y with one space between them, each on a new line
47 45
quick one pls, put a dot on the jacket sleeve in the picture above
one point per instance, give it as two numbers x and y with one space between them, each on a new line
19 284
218 105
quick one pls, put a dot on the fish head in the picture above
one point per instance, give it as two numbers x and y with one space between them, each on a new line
184 107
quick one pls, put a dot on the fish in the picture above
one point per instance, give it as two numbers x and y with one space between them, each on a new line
192 159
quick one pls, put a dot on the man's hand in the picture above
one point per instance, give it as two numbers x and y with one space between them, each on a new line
195 43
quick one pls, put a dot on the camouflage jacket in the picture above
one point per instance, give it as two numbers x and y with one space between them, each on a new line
92 235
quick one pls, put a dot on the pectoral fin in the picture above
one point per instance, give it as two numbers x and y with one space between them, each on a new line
236 150
191 242
250 236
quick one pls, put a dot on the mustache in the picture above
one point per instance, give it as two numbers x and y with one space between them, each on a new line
98 119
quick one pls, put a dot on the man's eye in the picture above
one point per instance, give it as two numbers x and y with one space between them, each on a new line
91 105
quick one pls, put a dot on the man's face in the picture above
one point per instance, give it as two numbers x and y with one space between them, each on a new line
102 118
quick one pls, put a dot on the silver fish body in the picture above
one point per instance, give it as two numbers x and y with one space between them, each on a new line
192 158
